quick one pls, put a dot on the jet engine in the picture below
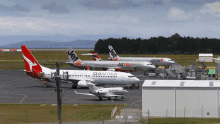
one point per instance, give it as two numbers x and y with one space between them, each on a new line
82 84
110 69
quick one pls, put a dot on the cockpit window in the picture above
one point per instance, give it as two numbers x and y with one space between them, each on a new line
170 60
130 76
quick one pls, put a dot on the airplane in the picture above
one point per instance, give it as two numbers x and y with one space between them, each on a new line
101 92
94 55
154 60
76 77
108 65
216 60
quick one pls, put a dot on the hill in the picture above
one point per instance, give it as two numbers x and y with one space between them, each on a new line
52 44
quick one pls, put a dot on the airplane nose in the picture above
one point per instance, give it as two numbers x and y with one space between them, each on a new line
136 79
126 91
153 66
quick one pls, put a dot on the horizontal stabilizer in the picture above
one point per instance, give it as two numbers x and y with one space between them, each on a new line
89 54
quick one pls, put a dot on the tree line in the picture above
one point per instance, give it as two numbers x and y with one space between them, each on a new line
174 44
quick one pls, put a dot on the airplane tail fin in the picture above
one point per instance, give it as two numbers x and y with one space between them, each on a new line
94 55
87 68
113 55
92 86
31 63
72 55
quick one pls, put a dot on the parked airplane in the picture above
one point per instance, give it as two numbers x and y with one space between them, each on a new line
216 60
94 55
154 60
108 65
76 77
104 92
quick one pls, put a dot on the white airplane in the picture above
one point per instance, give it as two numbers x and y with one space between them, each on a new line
154 60
76 77
94 55
108 65
101 92
216 60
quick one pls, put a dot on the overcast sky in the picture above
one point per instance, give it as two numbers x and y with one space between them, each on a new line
66 20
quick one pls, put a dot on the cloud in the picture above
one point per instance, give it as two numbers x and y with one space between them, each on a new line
114 19
211 9
54 8
175 14
192 2
118 4
36 26
15 8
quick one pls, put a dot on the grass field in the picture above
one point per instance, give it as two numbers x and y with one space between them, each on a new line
181 121
35 113
50 56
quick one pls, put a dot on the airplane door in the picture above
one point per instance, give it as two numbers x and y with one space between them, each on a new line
123 78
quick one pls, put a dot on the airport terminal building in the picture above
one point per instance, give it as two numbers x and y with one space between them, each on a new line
181 98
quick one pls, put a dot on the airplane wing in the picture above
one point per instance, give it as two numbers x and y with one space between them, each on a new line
89 94
111 95
79 79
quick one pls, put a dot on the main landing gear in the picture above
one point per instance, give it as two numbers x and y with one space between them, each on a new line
122 97
74 86
100 98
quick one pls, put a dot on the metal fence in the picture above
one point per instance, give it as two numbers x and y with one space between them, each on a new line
185 112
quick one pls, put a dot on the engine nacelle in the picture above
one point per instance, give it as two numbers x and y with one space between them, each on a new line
82 84
110 69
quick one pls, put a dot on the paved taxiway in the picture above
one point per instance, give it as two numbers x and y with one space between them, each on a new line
17 87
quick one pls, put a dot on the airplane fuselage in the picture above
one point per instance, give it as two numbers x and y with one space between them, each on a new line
153 60
112 91
97 77
126 65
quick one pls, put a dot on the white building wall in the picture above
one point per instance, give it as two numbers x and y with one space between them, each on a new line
206 59
197 101
159 102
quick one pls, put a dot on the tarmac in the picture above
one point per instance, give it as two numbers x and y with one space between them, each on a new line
17 87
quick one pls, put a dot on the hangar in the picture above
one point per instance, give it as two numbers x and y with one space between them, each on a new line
181 98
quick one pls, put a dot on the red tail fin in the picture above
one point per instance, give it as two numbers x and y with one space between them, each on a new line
87 68
96 57
29 60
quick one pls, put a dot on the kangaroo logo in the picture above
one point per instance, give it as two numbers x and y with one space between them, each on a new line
73 55
29 62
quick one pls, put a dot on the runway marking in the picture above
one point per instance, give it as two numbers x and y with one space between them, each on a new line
135 102
23 99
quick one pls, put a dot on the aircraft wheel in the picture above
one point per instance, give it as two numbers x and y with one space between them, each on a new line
122 97
109 98
100 98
